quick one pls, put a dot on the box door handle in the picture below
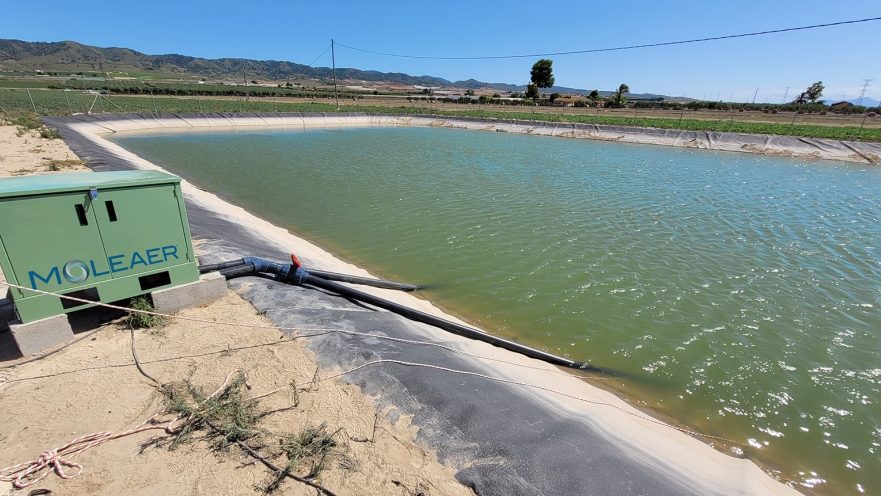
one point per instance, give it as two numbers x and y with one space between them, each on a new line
111 211
81 214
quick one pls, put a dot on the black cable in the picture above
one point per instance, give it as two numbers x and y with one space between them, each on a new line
318 57
613 49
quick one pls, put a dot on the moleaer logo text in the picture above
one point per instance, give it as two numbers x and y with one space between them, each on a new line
78 271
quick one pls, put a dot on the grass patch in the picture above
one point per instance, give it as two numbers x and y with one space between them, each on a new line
25 121
60 164
49 133
29 121
139 320
21 172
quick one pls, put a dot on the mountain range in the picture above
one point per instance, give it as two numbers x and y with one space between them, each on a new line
72 56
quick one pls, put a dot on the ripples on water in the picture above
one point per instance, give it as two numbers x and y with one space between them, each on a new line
740 293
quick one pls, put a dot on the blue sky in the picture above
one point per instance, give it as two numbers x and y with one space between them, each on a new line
299 31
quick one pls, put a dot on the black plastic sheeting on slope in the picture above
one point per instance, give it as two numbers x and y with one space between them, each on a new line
501 439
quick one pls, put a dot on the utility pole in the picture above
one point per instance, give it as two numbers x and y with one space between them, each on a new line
786 94
336 95
755 95
863 91
860 102
247 93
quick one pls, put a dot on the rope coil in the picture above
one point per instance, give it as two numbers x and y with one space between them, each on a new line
29 473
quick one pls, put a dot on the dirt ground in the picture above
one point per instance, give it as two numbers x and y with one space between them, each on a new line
93 385
25 152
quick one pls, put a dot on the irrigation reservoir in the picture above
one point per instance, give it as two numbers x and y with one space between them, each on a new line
739 294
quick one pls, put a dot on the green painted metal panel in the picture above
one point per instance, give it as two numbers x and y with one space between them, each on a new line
51 246
103 236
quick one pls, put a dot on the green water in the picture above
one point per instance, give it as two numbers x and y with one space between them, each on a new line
738 294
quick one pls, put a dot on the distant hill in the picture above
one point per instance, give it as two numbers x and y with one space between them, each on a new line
867 102
73 56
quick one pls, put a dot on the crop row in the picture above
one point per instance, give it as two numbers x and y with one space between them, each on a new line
49 102
132 87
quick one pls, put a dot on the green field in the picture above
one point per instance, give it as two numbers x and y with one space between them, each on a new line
58 102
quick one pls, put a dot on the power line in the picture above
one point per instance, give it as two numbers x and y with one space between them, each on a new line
863 92
613 49
322 55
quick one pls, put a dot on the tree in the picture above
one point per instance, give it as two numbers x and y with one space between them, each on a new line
812 94
541 75
554 96
618 96
532 91
594 95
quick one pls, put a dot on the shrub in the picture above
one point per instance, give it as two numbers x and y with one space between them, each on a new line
48 133
140 320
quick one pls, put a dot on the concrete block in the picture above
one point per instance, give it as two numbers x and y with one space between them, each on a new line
41 335
209 287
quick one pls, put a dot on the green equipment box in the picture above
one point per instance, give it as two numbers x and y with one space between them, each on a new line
102 237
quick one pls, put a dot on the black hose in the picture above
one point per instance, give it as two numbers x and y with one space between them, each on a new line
444 324
238 271
220 266
225 267
292 274
365 281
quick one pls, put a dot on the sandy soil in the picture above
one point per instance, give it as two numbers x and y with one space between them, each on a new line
32 154
92 385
